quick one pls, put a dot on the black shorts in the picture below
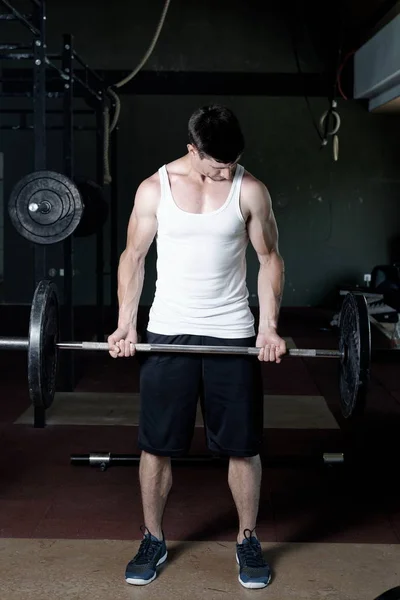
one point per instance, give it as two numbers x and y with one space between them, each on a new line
229 387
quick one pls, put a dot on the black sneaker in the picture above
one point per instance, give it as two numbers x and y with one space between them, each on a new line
254 572
152 552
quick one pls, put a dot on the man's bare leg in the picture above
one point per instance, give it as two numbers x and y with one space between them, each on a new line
244 478
155 477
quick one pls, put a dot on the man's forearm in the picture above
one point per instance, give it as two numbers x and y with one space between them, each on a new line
130 286
271 280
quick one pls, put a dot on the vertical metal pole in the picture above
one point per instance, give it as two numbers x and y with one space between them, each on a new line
68 246
39 129
114 224
100 234
39 121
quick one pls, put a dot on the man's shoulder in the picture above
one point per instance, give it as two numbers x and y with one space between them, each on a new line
150 185
251 183
148 193
254 190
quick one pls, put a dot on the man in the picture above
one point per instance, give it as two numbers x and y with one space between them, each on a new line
203 208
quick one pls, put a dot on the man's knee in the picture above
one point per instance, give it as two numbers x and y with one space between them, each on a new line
250 460
154 457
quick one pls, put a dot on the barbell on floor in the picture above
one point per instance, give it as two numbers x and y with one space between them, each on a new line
43 345
104 460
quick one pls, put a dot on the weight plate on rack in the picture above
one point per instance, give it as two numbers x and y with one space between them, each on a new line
45 207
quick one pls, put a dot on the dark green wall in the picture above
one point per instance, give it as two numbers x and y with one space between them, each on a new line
335 219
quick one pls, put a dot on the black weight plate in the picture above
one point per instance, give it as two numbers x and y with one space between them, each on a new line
59 202
355 343
43 352
393 594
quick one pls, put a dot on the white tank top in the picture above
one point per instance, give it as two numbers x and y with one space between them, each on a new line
201 268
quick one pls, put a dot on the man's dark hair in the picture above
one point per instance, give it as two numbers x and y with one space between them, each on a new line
215 131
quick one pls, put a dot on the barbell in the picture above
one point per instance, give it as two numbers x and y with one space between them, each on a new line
43 345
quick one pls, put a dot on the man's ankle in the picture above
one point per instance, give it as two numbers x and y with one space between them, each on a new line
156 532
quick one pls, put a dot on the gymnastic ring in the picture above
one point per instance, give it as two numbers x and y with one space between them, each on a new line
337 119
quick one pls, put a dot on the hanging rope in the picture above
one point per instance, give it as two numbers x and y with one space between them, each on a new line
109 128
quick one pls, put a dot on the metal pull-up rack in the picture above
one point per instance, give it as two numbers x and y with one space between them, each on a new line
64 75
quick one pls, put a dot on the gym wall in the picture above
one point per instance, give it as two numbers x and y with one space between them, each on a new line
1 220
336 220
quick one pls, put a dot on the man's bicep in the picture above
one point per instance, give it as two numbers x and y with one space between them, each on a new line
142 226
262 227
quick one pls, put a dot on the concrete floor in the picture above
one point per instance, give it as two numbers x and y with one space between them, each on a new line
94 570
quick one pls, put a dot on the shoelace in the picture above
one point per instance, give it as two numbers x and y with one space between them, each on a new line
252 551
147 548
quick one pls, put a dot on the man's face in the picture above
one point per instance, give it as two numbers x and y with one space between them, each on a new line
210 168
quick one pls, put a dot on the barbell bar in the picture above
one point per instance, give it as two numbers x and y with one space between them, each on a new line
14 343
17 343
189 349
43 345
